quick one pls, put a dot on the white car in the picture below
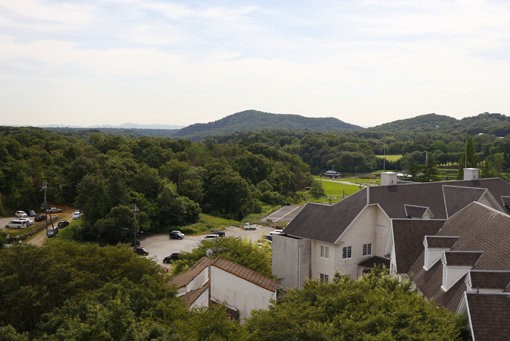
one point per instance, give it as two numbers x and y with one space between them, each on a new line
21 214
28 220
248 226
211 236
76 215
16 224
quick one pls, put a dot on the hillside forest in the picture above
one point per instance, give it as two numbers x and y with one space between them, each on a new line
172 180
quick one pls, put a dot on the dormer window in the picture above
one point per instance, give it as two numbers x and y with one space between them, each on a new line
456 264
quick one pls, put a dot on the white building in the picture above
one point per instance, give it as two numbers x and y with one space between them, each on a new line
224 282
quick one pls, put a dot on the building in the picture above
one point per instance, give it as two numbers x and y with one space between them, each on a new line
451 238
224 282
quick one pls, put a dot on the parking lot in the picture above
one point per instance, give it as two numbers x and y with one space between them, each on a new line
160 246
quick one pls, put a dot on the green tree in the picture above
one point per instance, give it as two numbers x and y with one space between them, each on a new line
430 170
316 190
375 307
469 159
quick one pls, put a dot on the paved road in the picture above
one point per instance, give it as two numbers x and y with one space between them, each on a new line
160 246
284 214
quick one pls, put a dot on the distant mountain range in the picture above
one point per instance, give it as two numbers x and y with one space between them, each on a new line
252 120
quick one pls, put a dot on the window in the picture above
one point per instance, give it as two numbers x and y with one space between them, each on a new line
324 251
367 249
324 278
347 252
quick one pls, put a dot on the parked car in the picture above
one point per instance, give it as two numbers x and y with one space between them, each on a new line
52 232
63 223
54 210
21 214
248 226
219 233
76 215
176 235
210 236
28 220
135 242
40 217
31 213
172 258
16 224
141 251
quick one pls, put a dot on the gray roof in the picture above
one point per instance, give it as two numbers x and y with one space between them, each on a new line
326 223
415 211
408 240
484 233
489 279
441 242
489 315
430 194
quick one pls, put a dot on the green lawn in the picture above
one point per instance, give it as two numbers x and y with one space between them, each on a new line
391 157
336 190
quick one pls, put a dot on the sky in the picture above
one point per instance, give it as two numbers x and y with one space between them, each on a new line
365 62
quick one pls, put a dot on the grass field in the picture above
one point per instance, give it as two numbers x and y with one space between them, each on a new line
336 190
391 157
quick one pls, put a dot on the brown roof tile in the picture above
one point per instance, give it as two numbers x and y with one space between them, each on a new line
489 315
462 258
413 211
190 297
246 274
457 197
441 242
408 240
491 279
182 279
326 223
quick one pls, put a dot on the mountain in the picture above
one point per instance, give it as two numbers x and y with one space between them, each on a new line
252 120
422 123
485 123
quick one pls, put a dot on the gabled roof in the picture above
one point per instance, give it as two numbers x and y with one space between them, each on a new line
479 228
457 197
430 194
190 297
326 223
462 258
185 277
247 274
408 240
442 199
413 211
489 316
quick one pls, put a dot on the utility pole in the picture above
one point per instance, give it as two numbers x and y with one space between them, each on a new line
135 211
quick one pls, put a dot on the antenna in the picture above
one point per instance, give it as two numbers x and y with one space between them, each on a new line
208 252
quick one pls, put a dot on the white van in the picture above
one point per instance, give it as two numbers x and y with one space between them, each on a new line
16 224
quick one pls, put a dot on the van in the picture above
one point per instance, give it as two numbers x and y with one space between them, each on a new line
16 224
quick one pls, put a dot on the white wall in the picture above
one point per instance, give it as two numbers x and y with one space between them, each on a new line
198 281
291 260
202 300
237 292
362 231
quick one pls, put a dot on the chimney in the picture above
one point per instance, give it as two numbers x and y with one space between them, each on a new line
388 178
471 173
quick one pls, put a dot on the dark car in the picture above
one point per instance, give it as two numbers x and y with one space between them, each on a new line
52 232
63 223
135 242
40 217
176 235
172 258
219 233
141 251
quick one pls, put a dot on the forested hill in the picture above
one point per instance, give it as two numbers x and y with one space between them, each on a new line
487 123
252 120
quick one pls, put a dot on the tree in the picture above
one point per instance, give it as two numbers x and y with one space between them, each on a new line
316 190
375 307
469 159
174 209
430 170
